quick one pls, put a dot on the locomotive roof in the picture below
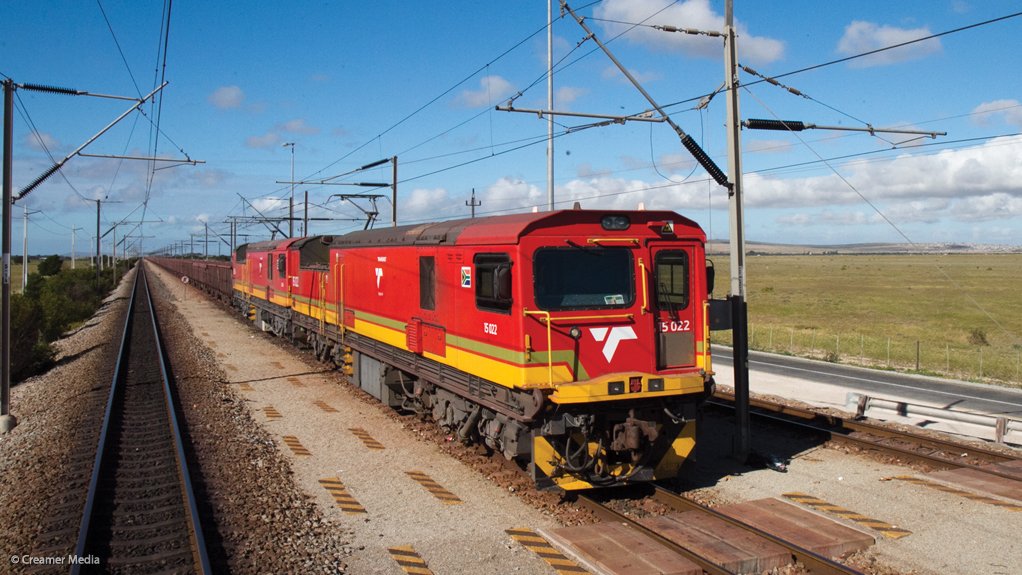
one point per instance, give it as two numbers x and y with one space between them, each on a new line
506 229
492 230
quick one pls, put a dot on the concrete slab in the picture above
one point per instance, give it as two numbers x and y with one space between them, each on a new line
731 547
809 530
981 482
616 549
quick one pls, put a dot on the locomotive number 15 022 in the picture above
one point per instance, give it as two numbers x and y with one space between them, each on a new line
675 326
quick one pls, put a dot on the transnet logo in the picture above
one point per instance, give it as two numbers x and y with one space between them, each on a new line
611 338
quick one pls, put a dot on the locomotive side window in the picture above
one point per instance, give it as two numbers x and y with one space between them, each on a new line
493 282
427 282
672 280
269 266
583 278
281 266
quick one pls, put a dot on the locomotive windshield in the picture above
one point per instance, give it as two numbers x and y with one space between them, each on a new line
579 277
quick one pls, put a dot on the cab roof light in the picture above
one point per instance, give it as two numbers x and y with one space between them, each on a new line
615 223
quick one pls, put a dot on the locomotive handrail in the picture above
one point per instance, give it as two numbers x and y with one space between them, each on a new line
645 288
549 343
582 317
598 241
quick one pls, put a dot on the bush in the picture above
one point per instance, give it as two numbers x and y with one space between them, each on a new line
50 266
30 353
50 306
978 336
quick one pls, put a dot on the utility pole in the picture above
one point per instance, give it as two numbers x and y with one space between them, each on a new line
473 203
291 208
549 106
24 248
99 255
393 193
7 420
74 232
739 308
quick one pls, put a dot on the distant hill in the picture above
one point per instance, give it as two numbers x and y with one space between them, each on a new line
719 247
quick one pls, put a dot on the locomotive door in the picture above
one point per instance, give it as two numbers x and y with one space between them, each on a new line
673 309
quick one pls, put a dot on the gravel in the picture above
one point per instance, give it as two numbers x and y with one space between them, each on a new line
272 514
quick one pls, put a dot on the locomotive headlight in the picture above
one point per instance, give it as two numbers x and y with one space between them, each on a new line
575 333
611 223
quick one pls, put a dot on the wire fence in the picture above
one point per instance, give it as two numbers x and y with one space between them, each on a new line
979 362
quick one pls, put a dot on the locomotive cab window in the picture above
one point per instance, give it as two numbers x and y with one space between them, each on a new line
672 280
281 265
427 282
493 282
579 277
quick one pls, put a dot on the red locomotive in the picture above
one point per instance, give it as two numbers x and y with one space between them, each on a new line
575 341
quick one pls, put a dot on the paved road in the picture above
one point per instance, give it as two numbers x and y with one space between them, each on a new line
802 374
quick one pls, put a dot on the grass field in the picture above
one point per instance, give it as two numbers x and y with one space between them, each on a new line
963 313
16 271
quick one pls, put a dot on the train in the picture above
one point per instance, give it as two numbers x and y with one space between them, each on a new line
575 342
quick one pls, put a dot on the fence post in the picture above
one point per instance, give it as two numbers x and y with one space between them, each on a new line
770 342
791 342
947 365
812 349
837 346
862 347
981 362
888 351
917 355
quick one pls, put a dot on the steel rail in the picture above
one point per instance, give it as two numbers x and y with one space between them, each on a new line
199 541
199 552
815 562
607 514
90 499
838 429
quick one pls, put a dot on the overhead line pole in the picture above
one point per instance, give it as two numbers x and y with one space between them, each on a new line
550 106
7 420
739 307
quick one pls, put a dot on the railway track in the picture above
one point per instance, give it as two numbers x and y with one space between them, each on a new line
813 562
140 512
916 447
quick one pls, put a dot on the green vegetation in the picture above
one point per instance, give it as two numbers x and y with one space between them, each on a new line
958 315
55 301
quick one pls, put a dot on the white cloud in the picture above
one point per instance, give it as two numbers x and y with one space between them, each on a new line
861 36
1008 111
513 193
565 95
267 140
696 14
227 97
267 204
298 126
47 140
423 201
492 90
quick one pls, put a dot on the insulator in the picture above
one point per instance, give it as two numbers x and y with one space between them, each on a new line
55 89
781 125
697 152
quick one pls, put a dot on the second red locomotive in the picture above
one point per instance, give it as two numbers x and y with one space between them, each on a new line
575 341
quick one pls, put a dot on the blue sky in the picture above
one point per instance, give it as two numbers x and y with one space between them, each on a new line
354 82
